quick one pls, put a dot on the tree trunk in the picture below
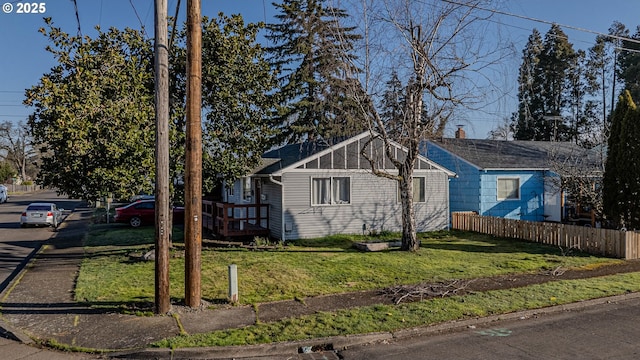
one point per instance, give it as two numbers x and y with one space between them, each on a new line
409 237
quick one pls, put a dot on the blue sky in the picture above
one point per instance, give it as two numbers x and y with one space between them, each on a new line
24 60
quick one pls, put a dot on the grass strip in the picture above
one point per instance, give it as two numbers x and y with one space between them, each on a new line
389 317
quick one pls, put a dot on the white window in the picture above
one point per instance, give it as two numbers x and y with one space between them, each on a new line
419 190
320 191
508 188
341 190
246 188
330 191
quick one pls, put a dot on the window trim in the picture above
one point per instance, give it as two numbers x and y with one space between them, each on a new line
247 192
519 195
332 201
424 181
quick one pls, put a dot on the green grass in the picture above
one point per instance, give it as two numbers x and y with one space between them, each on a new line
389 318
305 268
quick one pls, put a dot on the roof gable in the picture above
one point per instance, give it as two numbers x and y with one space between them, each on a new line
342 155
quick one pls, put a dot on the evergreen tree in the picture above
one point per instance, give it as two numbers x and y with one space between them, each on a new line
393 106
530 113
94 114
556 64
622 172
550 87
576 90
237 88
597 70
629 65
314 54
617 31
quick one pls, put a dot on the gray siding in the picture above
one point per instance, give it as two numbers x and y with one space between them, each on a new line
274 199
374 203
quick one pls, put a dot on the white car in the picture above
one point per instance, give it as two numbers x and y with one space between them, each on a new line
4 194
46 214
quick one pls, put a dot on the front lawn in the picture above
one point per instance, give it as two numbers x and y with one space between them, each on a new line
305 268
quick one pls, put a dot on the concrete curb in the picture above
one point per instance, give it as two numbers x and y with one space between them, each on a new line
453 326
290 348
338 343
8 332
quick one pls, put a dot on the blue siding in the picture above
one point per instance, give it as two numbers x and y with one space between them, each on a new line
464 189
530 206
474 189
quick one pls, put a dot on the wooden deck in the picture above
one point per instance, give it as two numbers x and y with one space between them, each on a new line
227 220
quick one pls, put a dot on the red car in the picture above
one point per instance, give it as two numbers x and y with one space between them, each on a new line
144 212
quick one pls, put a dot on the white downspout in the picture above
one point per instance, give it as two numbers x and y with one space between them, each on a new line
281 205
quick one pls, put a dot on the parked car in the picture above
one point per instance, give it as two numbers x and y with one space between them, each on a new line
46 214
144 212
141 197
4 194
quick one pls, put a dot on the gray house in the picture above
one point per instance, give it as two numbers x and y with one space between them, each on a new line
312 189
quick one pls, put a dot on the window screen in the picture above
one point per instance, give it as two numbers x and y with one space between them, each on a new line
508 189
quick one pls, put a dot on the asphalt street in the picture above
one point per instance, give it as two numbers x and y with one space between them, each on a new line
603 331
18 244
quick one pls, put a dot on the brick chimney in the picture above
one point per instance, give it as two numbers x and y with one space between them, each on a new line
460 134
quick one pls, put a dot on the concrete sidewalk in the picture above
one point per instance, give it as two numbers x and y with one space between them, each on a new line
39 308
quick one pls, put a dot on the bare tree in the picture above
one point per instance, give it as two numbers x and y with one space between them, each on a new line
16 144
438 50
578 175
503 131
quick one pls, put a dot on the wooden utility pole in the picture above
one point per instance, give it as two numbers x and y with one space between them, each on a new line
193 165
163 223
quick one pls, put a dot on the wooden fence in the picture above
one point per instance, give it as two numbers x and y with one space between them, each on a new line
605 242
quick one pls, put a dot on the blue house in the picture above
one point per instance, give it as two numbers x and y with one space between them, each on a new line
509 179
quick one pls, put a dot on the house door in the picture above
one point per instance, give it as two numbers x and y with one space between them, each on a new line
552 202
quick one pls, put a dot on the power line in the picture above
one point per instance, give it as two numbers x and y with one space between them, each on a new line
175 23
75 4
545 22
135 11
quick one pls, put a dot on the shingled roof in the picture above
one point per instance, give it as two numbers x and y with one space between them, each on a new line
501 154
282 157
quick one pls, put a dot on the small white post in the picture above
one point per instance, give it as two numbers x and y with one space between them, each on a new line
233 283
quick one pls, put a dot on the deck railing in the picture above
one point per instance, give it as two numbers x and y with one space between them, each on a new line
596 241
235 220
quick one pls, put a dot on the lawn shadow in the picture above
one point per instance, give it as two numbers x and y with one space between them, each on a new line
481 243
